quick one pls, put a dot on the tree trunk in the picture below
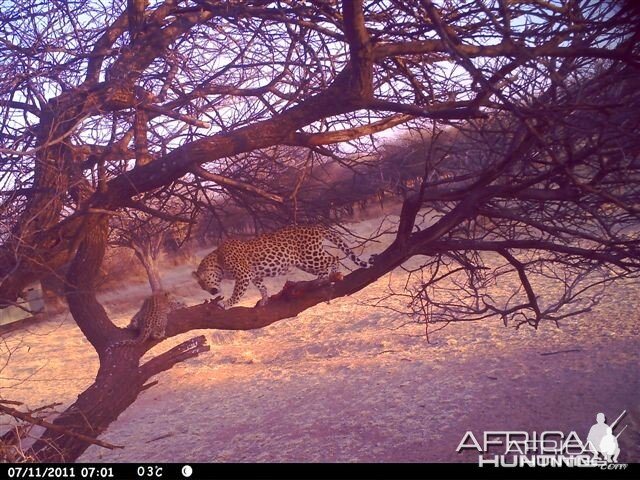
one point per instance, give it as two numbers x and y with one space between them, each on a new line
117 384
120 379
116 387
149 262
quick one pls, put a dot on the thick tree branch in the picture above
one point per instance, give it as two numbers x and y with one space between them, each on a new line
103 47
443 111
340 97
189 349
359 47
209 315
13 104
327 138
89 314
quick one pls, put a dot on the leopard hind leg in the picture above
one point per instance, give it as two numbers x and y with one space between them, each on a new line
239 288
257 281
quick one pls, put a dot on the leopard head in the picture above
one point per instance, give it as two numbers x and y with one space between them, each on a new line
209 273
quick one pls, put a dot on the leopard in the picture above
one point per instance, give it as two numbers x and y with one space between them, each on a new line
151 320
269 255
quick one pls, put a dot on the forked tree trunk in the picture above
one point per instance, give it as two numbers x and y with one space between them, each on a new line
116 385
120 379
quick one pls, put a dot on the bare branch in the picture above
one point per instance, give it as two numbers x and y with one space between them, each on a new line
65 431
229 182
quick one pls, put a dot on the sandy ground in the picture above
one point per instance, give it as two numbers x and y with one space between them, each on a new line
348 382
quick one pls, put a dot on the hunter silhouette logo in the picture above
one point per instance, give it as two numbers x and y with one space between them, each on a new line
601 439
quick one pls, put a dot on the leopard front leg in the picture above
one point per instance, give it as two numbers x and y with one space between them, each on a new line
241 285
